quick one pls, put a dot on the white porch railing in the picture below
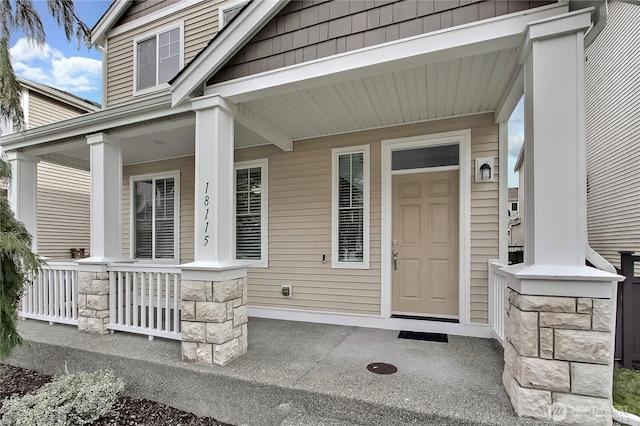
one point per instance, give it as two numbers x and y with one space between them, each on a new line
145 299
53 294
497 294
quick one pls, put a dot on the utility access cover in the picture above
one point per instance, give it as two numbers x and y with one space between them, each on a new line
382 368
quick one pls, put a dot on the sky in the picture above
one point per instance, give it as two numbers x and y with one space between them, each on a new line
516 138
61 65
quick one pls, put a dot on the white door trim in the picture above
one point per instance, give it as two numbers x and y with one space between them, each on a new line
463 139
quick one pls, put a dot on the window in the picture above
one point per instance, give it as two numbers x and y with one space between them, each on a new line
157 59
350 208
228 12
514 207
155 203
251 233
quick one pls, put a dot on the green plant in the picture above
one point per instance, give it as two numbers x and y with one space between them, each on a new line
17 264
74 399
626 390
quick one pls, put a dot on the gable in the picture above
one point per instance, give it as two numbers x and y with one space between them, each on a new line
303 31
140 8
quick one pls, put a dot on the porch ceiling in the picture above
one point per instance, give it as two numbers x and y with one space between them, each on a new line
460 86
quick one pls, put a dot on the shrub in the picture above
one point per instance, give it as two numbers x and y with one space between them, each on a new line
74 399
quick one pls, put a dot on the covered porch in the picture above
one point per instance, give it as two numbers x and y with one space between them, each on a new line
455 86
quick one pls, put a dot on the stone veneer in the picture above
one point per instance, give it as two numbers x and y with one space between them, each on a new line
214 320
93 302
558 358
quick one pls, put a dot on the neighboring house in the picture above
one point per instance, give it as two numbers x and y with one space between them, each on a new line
63 191
340 162
516 236
613 134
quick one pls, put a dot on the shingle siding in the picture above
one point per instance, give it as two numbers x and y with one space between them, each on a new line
308 30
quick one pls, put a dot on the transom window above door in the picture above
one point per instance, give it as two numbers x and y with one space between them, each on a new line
157 59
425 157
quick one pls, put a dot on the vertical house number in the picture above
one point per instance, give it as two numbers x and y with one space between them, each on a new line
206 214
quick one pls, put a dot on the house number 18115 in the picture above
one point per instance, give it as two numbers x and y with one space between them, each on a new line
206 214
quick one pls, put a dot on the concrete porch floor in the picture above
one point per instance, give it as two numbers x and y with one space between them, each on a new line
295 373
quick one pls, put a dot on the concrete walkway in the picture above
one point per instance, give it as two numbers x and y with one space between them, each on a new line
296 374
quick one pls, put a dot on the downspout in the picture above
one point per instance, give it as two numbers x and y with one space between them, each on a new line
599 21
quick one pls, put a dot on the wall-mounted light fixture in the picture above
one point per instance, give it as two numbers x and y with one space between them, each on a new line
484 169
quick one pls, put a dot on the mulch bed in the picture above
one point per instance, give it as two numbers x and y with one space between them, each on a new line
127 411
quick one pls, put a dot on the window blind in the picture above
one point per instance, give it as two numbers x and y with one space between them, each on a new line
155 218
249 213
351 207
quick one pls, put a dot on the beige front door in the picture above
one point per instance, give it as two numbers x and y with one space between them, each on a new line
425 238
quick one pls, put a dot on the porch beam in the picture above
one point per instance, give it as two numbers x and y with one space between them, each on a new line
66 160
511 96
23 192
263 128
106 198
466 40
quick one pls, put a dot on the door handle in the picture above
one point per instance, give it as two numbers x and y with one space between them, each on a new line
395 259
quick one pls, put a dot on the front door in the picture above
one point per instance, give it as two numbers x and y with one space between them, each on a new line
425 244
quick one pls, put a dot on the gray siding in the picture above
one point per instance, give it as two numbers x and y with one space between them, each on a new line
613 134
308 30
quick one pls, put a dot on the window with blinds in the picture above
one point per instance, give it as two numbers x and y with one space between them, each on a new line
158 58
350 208
251 212
155 200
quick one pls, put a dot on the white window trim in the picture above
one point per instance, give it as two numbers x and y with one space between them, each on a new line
176 213
263 163
224 8
366 237
146 36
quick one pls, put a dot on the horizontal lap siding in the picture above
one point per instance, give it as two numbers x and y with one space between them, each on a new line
63 210
187 178
300 222
484 217
613 134
45 110
200 26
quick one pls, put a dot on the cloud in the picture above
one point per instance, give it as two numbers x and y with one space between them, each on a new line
75 74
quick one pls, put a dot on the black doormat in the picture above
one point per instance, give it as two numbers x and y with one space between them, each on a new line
429 337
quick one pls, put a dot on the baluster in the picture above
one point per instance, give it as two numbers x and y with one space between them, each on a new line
112 297
150 311
176 304
158 302
135 299
74 292
127 319
143 292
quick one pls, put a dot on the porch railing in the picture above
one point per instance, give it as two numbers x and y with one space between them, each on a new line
52 295
497 294
145 299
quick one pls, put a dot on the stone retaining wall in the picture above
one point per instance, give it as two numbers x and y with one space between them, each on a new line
558 358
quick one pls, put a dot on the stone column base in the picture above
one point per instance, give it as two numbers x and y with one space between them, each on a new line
214 320
558 358
93 302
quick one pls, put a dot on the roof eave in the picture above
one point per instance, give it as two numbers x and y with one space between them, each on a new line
68 98
106 22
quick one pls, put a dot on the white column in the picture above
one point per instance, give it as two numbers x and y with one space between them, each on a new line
503 193
106 196
214 192
214 285
559 315
23 192
555 156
